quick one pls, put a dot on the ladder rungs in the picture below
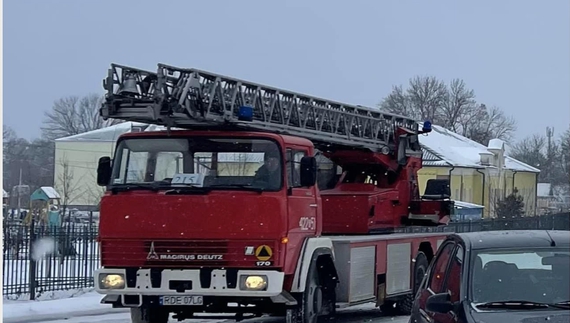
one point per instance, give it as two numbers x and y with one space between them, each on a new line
190 98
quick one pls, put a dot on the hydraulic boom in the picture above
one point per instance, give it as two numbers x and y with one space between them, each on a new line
191 98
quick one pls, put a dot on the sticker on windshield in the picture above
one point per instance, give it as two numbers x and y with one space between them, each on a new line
195 180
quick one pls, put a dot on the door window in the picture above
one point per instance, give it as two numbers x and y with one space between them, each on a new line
453 279
294 167
439 269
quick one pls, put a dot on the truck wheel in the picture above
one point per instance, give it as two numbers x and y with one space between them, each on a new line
310 301
149 315
420 269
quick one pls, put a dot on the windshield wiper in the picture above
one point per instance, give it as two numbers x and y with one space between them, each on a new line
190 189
242 186
138 186
566 304
519 304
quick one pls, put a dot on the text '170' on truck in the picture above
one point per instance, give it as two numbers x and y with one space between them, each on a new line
257 200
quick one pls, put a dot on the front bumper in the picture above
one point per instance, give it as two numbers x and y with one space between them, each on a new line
218 284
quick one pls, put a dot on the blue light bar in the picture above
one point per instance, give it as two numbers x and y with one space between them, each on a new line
427 126
245 113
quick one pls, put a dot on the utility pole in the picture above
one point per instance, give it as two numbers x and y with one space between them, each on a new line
549 156
19 193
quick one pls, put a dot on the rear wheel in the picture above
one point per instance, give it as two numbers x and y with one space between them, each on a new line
149 315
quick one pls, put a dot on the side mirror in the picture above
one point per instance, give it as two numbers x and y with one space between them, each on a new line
439 303
104 171
308 171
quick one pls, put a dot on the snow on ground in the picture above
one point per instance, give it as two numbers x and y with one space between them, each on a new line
86 308
39 311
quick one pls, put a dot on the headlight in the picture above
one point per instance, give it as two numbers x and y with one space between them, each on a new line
111 281
257 282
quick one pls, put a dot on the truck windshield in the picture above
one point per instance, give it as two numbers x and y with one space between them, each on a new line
529 275
215 163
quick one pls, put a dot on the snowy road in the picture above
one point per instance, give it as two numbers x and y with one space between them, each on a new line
360 314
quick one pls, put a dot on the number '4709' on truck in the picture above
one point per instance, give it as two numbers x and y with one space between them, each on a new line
255 200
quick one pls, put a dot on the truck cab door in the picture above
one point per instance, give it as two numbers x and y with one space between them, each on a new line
302 201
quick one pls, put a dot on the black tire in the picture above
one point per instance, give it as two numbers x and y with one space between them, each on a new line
389 308
310 301
405 306
149 315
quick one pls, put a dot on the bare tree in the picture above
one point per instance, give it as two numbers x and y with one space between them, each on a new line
422 100
534 150
74 115
33 159
486 124
530 150
93 192
453 107
66 185
460 102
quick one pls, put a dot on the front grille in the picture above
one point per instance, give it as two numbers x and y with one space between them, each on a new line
178 254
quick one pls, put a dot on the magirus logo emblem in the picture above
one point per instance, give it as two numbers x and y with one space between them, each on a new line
152 255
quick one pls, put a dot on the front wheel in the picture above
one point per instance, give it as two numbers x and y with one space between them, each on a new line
149 315
310 302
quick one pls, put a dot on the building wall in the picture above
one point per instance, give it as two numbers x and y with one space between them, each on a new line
526 184
75 177
467 185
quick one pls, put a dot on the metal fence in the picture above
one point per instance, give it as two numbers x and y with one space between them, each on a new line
559 221
39 259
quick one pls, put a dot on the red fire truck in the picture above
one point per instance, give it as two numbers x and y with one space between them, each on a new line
257 200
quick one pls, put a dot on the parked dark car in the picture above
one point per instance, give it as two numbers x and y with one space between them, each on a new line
497 276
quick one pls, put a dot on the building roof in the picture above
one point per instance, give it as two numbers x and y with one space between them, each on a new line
5 195
445 148
45 193
112 133
466 205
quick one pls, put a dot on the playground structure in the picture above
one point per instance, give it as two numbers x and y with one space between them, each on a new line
44 208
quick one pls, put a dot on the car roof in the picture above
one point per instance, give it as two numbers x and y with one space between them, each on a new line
513 238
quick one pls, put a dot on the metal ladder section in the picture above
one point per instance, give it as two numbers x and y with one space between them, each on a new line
192 99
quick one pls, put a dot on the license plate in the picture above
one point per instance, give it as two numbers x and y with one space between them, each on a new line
181 300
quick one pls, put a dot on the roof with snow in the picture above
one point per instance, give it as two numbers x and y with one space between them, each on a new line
5 195
45 193
466 205
445 148
112 133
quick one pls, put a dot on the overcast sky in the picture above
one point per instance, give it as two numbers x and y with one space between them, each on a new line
515 54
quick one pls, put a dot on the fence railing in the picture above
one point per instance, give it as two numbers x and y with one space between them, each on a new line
40 259
559 221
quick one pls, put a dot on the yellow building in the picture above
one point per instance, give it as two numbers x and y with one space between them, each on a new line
477 174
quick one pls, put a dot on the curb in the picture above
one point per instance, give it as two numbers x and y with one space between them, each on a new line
63 316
